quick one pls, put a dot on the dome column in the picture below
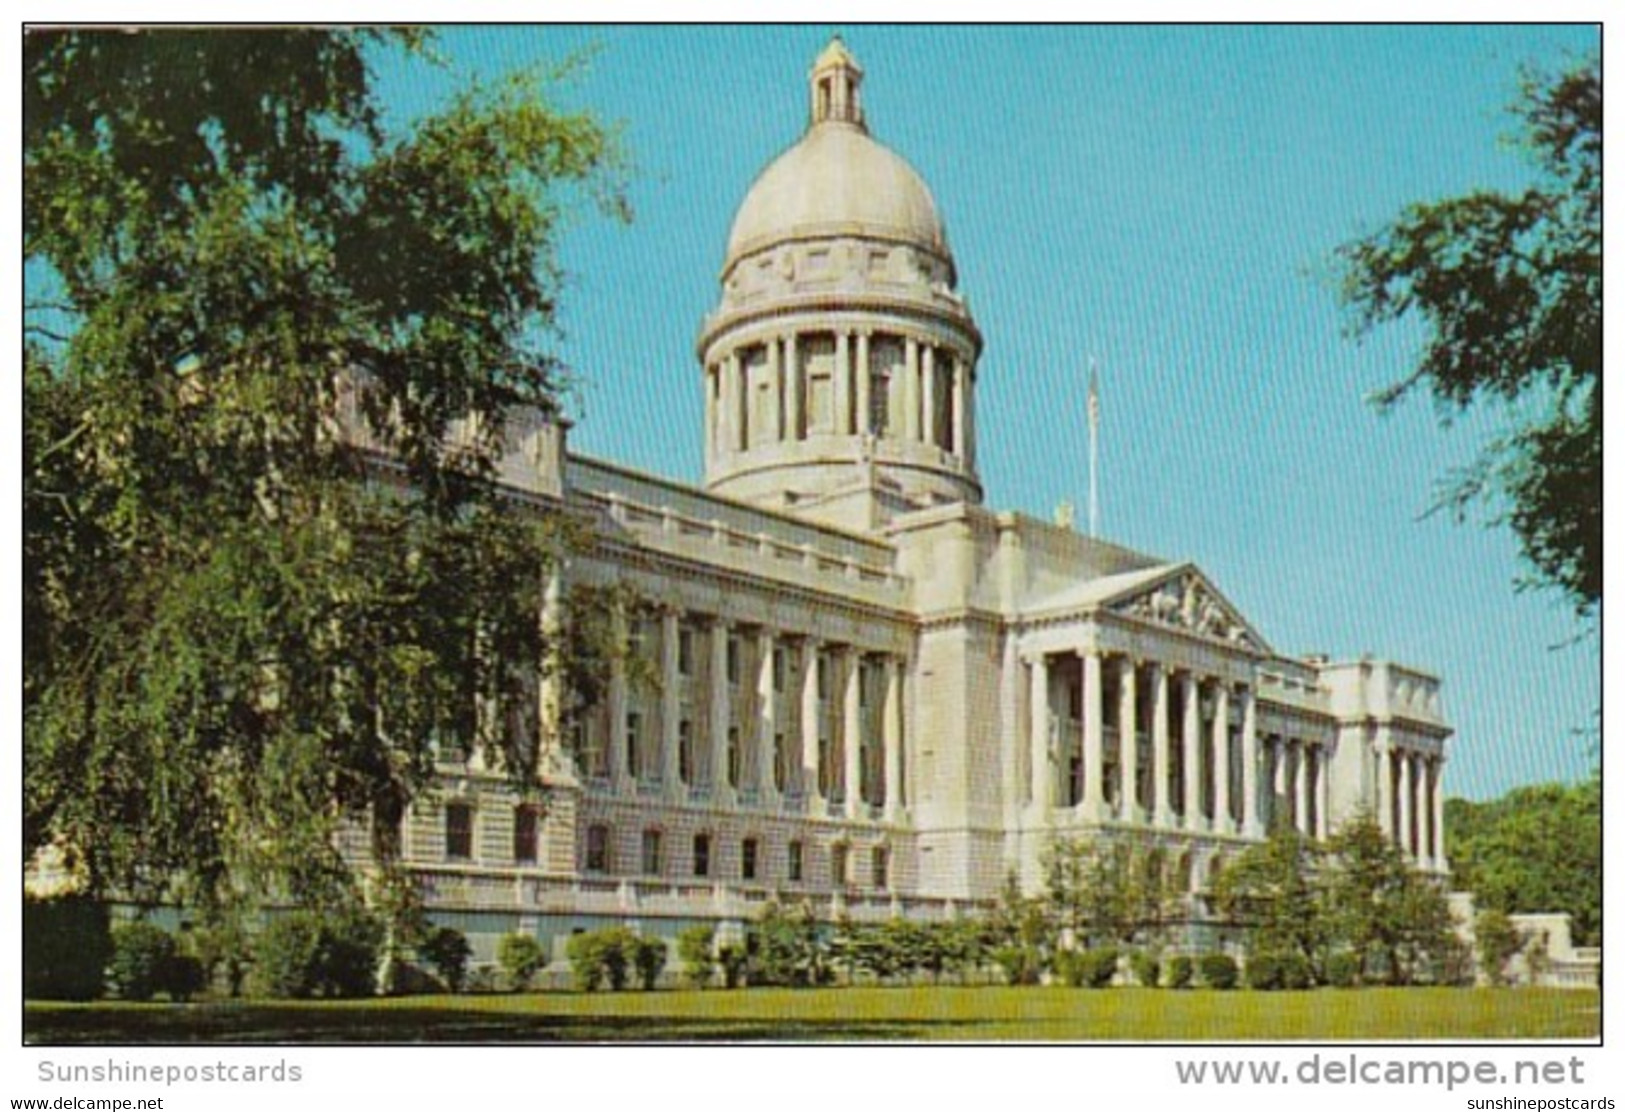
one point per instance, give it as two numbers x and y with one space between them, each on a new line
793 388
863 382
842 383
776 382
911 390
930 387
961 399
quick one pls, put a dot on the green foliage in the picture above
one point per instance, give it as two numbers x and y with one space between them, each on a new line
1180 971
1020 934
696 949
303 954
734 960
1509 287
1146 968
142 953
1536 848
237 639
1218 970
1342 969
1382 909
184 976
1276 891
446 949
521 956
649 959
1109 892
786 948
67 943
224 949
1087 968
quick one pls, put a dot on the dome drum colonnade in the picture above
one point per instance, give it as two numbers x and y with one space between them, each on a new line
840 341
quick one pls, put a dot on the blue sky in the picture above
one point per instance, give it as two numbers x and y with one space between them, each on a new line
1167 201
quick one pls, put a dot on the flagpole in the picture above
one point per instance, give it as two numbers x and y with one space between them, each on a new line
1094 451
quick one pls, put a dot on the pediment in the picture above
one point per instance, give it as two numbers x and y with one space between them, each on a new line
1186 600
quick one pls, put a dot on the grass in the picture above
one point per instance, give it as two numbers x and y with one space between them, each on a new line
869 1014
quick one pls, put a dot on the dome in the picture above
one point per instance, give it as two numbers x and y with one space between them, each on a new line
837 181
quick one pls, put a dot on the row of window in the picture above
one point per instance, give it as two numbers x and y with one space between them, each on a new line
460 832
702 860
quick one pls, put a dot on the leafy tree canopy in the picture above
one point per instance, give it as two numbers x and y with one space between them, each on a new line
1509 287
242 629
1535 849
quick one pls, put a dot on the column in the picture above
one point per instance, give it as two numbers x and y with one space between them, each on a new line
1128 736
775 378
1250 825
842 383
720 711
1094 736
1161 753
1193 761
852 732
1385 796
928 401
1305 775
766 718
554 756
865 385
1039 739
1221 759
670 708
1403 834
959 396
1323 784
734 393
615 744
809 724
1278 779
793 388
911 389
969 452
712 437
1436 800
892 738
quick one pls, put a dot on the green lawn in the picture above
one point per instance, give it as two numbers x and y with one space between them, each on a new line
967 1014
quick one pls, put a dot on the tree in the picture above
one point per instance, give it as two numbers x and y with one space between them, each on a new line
1537 848
1498 943
1510 289
1390 915
244 629
1275 891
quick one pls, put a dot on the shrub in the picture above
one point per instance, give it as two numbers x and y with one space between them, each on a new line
649 958
66 947
1296 973
141 951
1087 968
300 955
222 948
1022 965
733 959
1218 971
521 957
1146 969
1263 972
184 976
1342 970
1180 970
694 949
448 951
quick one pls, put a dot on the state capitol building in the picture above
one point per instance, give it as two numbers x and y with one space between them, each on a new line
871 690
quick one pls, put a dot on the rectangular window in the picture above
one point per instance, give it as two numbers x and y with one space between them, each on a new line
748 850
651 852
733 756
702 855
459 831
797 864
524 834
733 660
837 865
685 751
882 868
781 762
823 677
778 669
685 652
598 855
634 726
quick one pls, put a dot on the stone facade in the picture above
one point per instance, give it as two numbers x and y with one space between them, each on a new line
875 693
